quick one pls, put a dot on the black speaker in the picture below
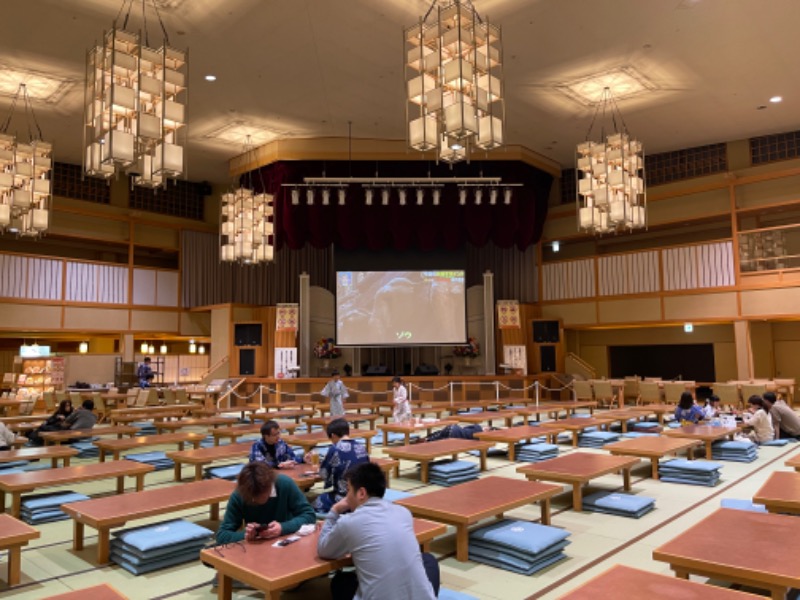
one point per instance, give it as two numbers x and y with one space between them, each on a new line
247 334
546 332
247 361
375 370
547 359
426 370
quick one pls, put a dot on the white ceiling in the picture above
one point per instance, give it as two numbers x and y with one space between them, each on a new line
304 68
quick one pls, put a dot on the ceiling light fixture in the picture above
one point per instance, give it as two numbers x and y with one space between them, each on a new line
25 174
192 347
163 349
144 347
246 229
454 81
135 106
83 347
610 175
211 77
776 99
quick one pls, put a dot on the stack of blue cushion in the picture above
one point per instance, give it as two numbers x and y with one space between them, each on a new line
536 452
393 495
445 594
151 547
693 472
744 451
622 505
646 426
86 449
44 508
14 464
208 441
452 472
229 472
637 434
145 428
597 439
377 440
470 410
518 546
738 504
158 459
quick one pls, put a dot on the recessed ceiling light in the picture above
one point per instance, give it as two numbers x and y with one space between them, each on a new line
776 99
624 82
211 77
238 131
47 88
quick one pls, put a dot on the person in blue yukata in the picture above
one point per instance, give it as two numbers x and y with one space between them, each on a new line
688 411
145 373
336 392
271 449
343 454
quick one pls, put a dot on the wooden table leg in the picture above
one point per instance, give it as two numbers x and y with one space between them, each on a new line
77 535
577 496
16 504
368 442
224 587
14 564
654 464
121 484
708 450
462 543
484 453
102 455
626 479
512 451
198 472
385 439
680 573
213 511
423 471
545 507
103 545
575 438
177 476
2 502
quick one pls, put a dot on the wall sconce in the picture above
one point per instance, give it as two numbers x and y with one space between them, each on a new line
151 349
163 349
192 347
556 246
144 347
201 349
83 348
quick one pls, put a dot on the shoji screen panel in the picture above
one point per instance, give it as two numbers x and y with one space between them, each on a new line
634 273
571 279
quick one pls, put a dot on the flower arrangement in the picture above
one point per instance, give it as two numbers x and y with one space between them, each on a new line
325 348
471 350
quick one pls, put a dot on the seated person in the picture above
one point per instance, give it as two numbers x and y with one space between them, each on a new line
756 417
83 418
53 423
380 537
785 421
264 505
6 437
711 409
688 411
271 449
343 454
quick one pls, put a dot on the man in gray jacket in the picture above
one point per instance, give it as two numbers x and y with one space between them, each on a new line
83 418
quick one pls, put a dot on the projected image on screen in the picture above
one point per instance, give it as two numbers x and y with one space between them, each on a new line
376 308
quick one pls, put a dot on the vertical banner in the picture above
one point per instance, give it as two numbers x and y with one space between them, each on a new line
516 357
286 363
287 317
508 314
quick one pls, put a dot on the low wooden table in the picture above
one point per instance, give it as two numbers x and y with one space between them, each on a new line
626 582
115 447
59 437
17 484
576 425
705 433
201 457
513 435
354 419
570 406
96 592
794 462
411 427
14 535
657 409
429 451
208 422
323 408
234 432
579 468
307 441
753 549
272 569
295 414
467 503
51 452
489 416
153 416
653 448
780 493
622 415
116 511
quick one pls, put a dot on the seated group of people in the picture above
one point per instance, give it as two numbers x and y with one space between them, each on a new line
66 417
377 533
769 416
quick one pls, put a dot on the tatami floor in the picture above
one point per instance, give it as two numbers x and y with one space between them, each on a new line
50 566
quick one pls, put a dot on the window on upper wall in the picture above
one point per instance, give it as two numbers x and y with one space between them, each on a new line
771 148
183 199
70 182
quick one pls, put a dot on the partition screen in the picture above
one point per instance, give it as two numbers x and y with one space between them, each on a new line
400 308
694 362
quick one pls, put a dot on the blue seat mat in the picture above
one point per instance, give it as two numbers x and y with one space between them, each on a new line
738 504
637 434
599 435
14 464
452 466
621 513
229 472
392 495
48 516
519 535
50 500
619 502
445 594
541 446
691 465
155 565
450 481
485 549
669 479
733 445
780 442
504 562
159 535
136 556
735 458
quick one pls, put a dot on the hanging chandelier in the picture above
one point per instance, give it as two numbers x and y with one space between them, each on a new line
246 229
25 175
135 105
610 176
454 82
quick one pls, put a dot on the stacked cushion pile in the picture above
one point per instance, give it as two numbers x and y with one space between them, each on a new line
518 546
452 472
597 439
145 427
16 465
208 441
744 451
693 472
229 472
158 459
780 442
622 505
44 508
377 440
536 452
151 547
86 449
637 434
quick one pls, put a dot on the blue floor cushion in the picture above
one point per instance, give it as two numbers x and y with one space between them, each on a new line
393 495
445 594
617 503
452 467
160 535
528 537
780 442
739 504
229 472
681 464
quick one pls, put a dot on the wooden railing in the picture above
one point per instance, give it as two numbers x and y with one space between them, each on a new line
574 364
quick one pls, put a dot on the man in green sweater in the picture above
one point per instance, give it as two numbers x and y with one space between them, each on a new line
264 505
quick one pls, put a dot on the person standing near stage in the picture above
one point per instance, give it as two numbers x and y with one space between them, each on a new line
402 408
336 392
145 373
